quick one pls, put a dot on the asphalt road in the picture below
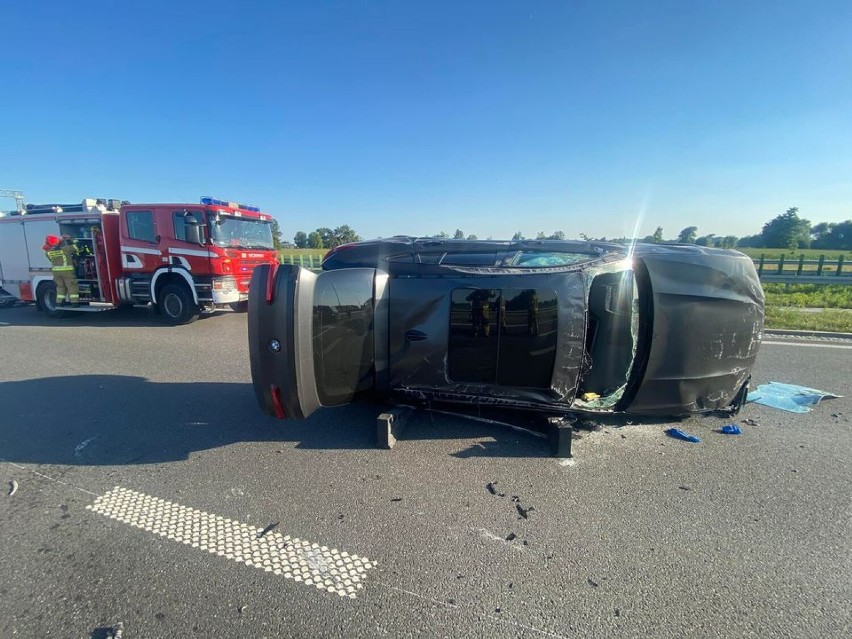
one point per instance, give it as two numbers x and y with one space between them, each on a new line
638 535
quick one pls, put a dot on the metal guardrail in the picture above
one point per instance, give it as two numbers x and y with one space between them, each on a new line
802 271
792 278
311 261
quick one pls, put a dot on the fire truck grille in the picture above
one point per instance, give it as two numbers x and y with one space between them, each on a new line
244 271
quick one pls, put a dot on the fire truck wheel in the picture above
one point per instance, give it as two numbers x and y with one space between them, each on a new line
176 305
239 307
46 297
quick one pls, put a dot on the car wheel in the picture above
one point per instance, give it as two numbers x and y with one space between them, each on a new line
46 296
176 305
239 307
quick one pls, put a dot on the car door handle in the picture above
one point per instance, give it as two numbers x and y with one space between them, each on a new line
415 336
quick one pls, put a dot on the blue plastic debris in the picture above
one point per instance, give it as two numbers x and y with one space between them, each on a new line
679 434
789 397
731 429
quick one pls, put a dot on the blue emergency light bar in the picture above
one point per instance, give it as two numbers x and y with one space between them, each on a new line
212 201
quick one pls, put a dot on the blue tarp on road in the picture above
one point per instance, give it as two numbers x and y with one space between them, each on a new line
789 397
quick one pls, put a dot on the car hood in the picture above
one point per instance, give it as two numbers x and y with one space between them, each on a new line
706 327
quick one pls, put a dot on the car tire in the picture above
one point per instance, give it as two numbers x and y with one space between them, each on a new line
176 305
46 298
239 307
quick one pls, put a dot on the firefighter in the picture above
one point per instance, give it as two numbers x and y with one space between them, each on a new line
61 253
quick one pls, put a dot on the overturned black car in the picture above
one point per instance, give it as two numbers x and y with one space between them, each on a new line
552 326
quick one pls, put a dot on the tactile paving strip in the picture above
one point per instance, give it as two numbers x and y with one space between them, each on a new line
302 561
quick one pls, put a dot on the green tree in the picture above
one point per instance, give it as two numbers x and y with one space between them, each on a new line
787 230
327 236
276 234
656 238
729 241
518 236
343 234
458 235
300 239
558 235
820 231
472 237
443 235
837 236
751 241
706 240
315 240
688 235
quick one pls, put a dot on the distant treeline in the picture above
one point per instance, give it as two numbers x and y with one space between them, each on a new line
787 231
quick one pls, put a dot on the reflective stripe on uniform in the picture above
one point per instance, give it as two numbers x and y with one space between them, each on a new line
52 255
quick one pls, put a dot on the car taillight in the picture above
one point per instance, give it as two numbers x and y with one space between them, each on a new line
277 406
270 283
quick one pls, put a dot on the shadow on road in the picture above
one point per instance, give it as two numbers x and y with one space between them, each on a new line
116 420
127 316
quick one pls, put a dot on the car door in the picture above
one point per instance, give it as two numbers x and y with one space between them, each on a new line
499 338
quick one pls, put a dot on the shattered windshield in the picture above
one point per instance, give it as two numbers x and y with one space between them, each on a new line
543 259
240 232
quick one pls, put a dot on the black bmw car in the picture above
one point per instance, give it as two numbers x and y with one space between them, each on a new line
552 326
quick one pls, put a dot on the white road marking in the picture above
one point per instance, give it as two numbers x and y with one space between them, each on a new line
302 561
53 479
839 346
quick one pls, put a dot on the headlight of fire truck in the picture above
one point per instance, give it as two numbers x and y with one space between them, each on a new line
225 290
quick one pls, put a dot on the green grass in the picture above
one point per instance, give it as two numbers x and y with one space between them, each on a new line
808 295
828 320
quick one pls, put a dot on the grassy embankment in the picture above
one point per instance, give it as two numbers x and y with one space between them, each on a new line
786 304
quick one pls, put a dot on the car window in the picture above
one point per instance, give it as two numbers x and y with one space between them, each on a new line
343 334
505 337
543 259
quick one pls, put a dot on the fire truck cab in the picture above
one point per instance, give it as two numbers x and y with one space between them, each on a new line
183 259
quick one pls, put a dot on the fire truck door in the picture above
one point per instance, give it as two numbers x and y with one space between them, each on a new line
189 248
140 242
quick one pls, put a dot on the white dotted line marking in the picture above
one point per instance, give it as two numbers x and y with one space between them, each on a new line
302 561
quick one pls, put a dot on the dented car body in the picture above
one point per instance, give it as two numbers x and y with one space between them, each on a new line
552 326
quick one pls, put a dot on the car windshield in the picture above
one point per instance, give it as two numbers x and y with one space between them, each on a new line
240 232
543 259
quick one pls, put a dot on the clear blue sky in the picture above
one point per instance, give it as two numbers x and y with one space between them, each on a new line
417 117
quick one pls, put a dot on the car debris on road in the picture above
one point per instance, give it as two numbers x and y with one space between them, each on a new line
679 434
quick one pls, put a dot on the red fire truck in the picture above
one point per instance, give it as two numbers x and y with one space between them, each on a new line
182 259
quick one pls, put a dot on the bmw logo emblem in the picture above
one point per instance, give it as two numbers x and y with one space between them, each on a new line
274 345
